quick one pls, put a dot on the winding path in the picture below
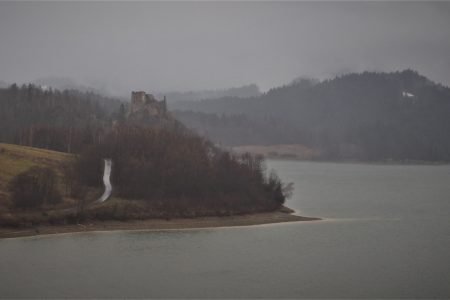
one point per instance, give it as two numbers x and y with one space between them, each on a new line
106 181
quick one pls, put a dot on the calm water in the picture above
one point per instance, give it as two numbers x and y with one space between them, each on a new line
386 235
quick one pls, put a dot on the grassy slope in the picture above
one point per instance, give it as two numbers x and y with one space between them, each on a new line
15 159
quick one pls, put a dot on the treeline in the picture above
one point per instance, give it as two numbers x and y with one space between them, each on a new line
51 119
367 116
178 173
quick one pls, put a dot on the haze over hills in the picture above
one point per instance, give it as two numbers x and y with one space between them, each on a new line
362 116
245 91
105 89
370 116
66 83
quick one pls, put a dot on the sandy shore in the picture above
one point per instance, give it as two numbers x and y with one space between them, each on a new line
158 224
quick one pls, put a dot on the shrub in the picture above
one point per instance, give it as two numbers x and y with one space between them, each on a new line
34 187
277 189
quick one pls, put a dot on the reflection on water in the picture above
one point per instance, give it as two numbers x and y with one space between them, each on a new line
386 235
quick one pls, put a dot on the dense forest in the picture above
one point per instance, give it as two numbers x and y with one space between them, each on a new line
177 172
52 119
366 116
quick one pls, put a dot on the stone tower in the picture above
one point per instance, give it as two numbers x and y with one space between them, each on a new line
137 98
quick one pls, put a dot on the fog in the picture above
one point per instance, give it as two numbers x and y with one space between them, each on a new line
119 46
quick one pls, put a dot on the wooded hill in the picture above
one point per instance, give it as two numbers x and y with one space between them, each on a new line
167 168
366 116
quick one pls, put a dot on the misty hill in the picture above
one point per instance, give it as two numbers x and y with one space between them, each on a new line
246 91
374 116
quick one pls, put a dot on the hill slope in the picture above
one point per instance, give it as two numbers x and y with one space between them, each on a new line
375 116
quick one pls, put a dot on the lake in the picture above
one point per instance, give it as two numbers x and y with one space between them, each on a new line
385 234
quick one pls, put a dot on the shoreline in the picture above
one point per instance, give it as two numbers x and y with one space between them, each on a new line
365 162
279 216
299 152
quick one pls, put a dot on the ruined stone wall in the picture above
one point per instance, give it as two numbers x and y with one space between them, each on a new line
138 97
145 105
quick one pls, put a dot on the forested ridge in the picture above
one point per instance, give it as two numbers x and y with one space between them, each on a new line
366 116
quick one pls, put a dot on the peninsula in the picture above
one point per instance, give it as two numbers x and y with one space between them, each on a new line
61 217
158 175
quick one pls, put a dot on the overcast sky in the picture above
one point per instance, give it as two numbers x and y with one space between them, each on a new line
207 45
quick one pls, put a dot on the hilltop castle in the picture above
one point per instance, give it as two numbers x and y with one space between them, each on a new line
146 104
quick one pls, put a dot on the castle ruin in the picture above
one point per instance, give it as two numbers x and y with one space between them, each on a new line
142 103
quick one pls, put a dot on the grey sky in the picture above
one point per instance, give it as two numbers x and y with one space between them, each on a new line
203 45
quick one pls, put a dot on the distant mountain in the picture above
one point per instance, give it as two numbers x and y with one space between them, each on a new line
246 91
370 116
